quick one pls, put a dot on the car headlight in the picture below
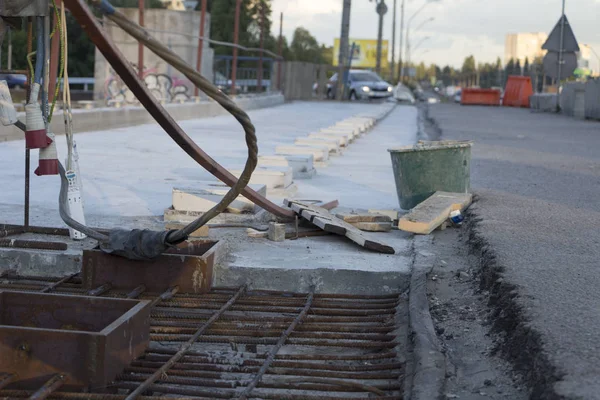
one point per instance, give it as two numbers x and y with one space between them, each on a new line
366 89
390 89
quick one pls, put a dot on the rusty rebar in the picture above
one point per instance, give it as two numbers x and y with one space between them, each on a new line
33 244
342 383
100 290
54 285
9 232
177 356
23 394
135 293
7 379
271 355
49 387
300 357
169 293
279 363
214 371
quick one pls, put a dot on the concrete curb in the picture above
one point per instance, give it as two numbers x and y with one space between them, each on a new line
429 369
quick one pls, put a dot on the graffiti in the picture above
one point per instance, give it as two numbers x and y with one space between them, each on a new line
165 88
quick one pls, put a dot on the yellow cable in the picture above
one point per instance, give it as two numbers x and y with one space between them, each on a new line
59 23
30 63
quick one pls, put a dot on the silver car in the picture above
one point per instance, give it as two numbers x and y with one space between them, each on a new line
362 85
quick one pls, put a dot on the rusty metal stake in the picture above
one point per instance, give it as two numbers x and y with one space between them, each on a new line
273 352
236 35
99 290
135 293
54 285
49 387
184 348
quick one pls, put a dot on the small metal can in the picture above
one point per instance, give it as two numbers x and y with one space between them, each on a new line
456 217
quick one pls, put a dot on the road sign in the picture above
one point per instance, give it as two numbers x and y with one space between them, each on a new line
551 65
365 53
569 41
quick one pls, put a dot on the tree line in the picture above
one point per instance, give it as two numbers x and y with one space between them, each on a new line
303 46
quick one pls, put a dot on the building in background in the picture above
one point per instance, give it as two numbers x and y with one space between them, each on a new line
520 46
583 58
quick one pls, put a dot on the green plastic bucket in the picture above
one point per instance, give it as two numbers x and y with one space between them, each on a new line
428 167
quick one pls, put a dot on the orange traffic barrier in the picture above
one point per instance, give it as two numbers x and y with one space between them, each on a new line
517 91
483 97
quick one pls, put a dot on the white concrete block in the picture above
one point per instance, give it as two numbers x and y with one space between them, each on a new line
208 194
344 138
302 164
340 129
319 153
271 177
360 126
333 144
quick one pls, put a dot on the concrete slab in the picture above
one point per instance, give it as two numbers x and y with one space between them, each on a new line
344 138
271 177
302 164
333 144
319 153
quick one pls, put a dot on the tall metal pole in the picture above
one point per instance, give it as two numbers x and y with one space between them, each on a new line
200 41
141 7
280 51
27 151
401 37
343 56
393 65
262 45
236 35
560 55
54 60
9 66
381 8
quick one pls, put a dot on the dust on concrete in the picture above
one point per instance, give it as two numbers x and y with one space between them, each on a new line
462 321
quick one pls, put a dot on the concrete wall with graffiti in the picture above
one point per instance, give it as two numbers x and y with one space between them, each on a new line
176 29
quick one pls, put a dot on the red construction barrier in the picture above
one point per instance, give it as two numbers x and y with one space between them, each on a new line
482 97
517 91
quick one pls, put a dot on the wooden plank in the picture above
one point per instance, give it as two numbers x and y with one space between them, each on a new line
431 213
351 218
373 226
329 223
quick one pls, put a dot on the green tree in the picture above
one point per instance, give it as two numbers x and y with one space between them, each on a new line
518 70
304 47
327 54
510 68
526 67
469 70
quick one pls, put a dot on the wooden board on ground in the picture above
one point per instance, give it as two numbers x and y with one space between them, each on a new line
351 218
373 226
431 213
329 223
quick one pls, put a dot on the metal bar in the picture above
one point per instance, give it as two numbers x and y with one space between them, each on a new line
49 387
99 290
9 232
141 6
93 29
165 296
262 45
173 360
6 380
280 51
271 357
135 293
393 65
53 286
38 229
33 244
13 394
236 37
27 151
200 42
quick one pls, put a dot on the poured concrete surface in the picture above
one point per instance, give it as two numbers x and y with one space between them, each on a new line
129 174
537 177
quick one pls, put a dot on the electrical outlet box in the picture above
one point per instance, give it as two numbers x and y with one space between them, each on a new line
24 8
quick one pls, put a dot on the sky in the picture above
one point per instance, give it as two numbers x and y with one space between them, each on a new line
459 28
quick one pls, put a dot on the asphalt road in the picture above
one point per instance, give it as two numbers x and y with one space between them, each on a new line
537 177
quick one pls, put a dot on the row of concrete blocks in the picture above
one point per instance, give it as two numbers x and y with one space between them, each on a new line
298 161
275 174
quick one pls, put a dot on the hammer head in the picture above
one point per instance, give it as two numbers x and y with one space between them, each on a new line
8 114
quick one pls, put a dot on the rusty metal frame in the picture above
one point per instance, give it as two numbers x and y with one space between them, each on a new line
90 25
95 337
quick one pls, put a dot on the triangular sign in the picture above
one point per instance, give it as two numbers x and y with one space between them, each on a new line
569 41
